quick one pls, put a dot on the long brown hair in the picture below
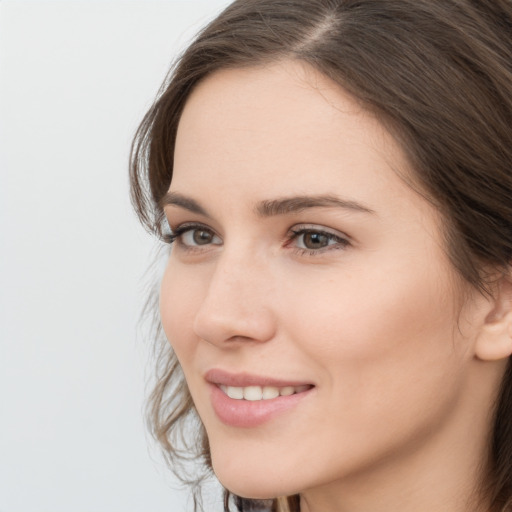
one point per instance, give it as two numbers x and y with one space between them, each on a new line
437 74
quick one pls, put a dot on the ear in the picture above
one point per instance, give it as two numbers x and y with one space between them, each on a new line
494 340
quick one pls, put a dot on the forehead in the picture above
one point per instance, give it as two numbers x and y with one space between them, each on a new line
285 125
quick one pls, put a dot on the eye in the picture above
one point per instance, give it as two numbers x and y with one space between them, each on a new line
314 240
193 236
198 236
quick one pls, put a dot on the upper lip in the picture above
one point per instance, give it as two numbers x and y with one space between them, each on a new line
222 377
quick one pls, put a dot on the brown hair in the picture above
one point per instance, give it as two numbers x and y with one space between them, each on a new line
436 73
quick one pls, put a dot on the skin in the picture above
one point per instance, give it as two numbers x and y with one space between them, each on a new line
405 371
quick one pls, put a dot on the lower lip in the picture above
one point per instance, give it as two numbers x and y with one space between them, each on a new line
248 413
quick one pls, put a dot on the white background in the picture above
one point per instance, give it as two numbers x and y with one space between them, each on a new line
75 80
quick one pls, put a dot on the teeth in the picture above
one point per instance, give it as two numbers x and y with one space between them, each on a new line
255 393
286 391
252 393
236 393
270 392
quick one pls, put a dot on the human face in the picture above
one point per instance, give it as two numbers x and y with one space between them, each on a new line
303 260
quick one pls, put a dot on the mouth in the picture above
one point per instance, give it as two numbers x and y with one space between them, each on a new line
256 393
245 400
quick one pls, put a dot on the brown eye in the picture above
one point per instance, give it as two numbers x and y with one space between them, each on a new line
195 236
314 240
201 237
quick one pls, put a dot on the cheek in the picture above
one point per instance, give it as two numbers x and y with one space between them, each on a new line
179 297
382 341
371 316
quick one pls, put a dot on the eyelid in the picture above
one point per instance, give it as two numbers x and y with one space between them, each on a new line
318 228
341 239
336 239
181 229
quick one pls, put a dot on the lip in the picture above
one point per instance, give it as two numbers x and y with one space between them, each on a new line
246 413
242 380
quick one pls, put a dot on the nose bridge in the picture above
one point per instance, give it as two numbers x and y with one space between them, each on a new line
236 304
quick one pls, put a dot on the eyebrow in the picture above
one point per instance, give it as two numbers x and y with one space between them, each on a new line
300 203
270 208
177 199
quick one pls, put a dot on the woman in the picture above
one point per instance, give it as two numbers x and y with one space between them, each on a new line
336 177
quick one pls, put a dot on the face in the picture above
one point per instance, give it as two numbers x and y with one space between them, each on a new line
309 279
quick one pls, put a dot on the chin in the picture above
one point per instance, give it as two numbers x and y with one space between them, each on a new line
248 486
257 484
251 491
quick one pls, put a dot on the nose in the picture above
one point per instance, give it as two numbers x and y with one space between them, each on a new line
237 304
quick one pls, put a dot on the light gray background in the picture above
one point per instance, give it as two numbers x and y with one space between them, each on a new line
75 80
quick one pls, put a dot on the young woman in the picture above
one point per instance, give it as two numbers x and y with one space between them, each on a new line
335 177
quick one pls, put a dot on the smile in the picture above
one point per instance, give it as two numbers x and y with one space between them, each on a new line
246 401
255 393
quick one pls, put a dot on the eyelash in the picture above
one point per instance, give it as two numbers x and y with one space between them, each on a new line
339 241
177 233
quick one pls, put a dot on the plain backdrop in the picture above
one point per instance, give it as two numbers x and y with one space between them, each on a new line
75 79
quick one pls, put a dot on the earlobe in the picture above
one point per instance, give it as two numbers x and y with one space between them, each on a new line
494 341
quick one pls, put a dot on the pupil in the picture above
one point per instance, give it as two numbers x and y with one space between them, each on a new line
315 240
202 237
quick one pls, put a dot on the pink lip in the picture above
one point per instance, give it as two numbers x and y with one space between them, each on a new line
246 413
217 376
